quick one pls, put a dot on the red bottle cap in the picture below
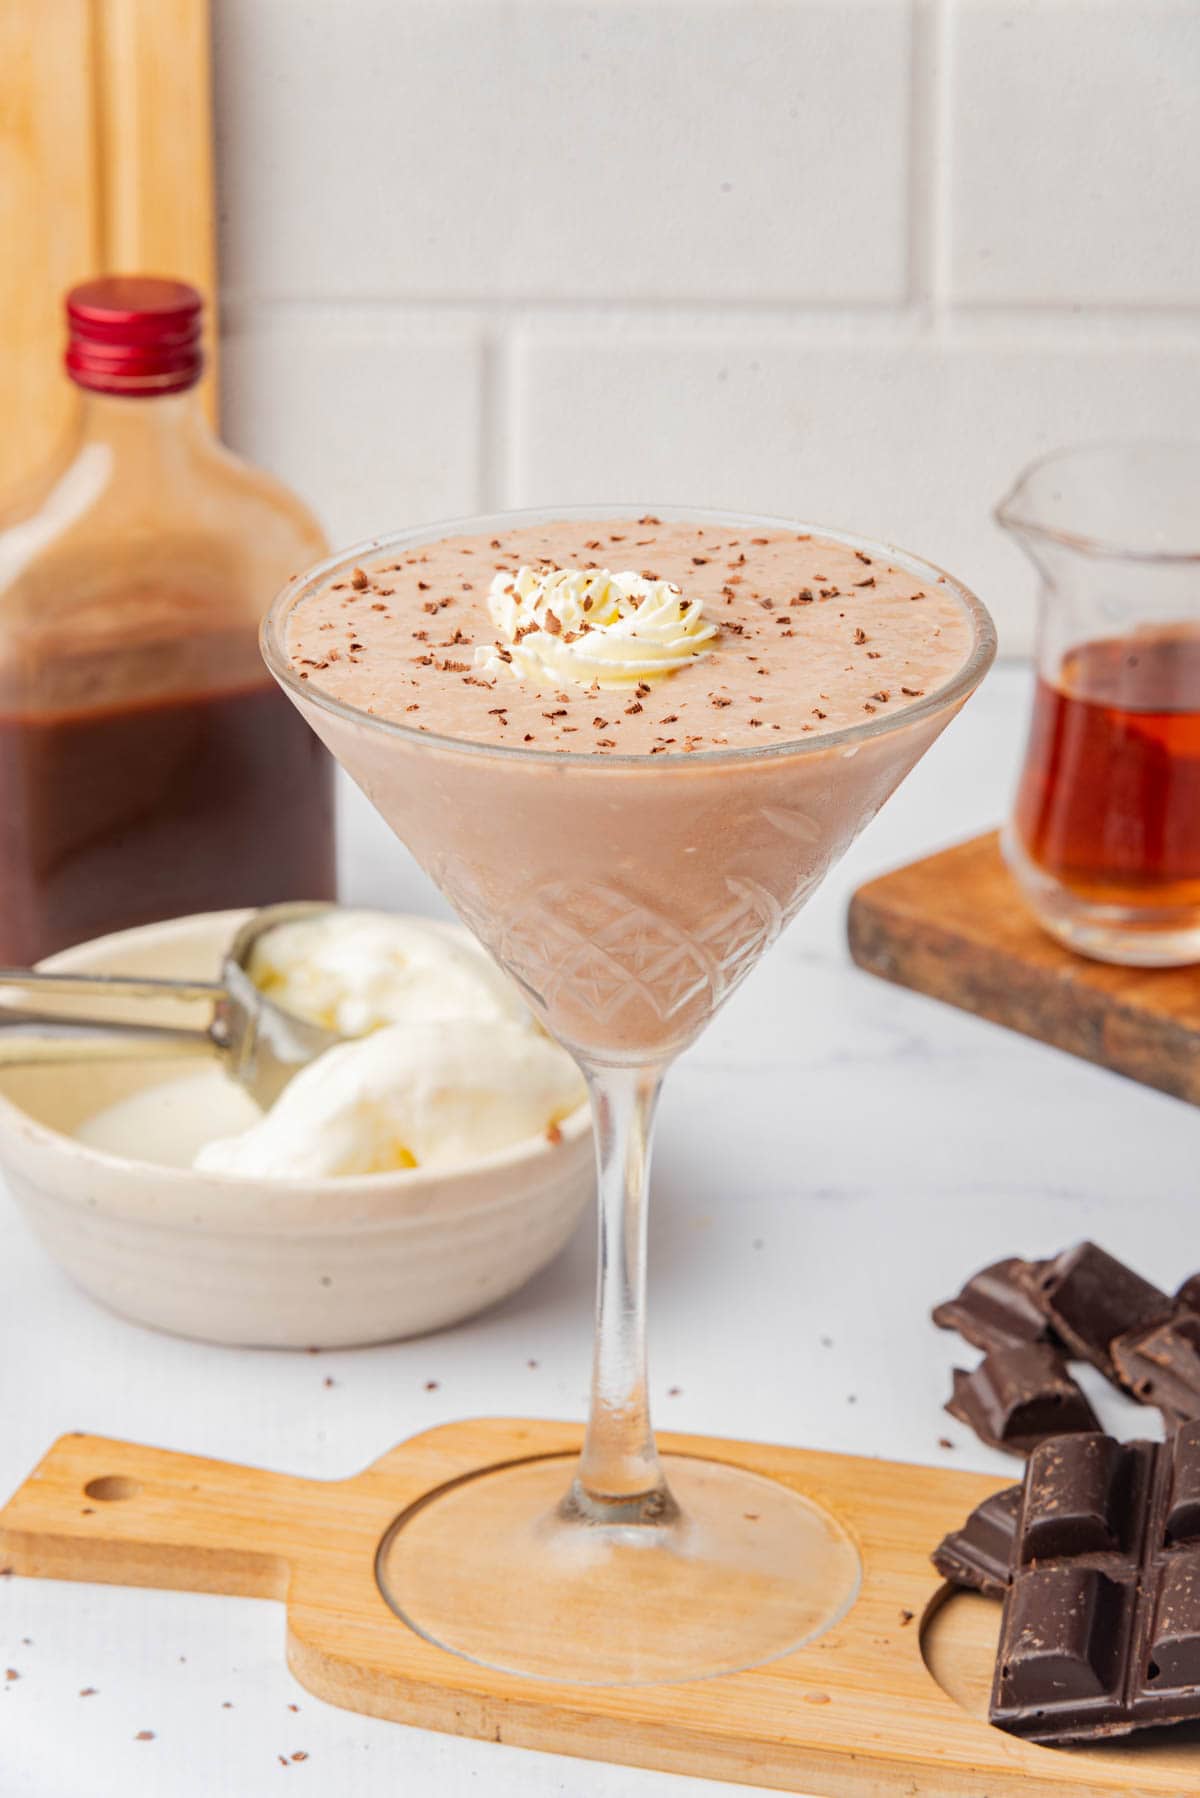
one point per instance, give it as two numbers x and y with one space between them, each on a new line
134 334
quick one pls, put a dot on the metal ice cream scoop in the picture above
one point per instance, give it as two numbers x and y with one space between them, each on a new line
260 1044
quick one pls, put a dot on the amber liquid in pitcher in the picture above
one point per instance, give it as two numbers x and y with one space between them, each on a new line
1109 800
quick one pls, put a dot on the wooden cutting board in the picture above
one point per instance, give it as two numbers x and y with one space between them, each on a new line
955 926
105 167
889 1701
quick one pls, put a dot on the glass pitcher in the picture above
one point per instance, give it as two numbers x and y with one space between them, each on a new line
1104 839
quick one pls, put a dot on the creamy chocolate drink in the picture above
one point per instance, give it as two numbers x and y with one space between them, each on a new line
782 635
628 748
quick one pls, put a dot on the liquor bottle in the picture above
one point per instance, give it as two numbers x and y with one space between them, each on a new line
149 766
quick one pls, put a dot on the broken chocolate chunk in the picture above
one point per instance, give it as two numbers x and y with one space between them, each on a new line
979 1555
1089 1297
1018 1396
1161 1365
996 1308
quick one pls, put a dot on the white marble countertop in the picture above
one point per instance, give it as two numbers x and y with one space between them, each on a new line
833 1157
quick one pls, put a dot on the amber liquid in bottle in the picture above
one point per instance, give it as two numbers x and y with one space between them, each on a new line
119 815
1109 800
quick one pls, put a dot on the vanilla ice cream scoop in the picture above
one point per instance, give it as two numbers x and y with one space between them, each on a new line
443 1062
430 1094
353 971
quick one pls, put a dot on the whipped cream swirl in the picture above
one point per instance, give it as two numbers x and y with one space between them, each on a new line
591 627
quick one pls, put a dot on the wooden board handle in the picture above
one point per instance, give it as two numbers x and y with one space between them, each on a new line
98 1509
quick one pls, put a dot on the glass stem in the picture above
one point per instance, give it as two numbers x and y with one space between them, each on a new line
619 1478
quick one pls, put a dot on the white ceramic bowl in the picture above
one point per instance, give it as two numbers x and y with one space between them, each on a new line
287 1264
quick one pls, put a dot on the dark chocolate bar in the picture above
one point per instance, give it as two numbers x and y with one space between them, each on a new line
979 1555
1017 1397
1089 1297
1100 1633
996 1308
1161 1365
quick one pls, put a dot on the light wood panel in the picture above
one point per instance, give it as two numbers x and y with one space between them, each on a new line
105 166
955 926
855 1714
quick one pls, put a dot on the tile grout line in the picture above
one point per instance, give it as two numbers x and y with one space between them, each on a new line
491 478
922 149
242 311
941 149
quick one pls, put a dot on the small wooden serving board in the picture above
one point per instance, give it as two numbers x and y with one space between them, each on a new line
858 1713
955 926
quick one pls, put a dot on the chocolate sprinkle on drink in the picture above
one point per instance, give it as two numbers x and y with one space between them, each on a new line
1019 1396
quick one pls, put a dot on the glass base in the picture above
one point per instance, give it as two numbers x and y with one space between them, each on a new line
1132 936
491 1569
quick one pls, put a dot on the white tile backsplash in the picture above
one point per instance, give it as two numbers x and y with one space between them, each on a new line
904 438
858 259
1074 151
374 419
479 149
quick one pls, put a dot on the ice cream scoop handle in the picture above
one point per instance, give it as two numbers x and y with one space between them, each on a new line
107 986
30 1036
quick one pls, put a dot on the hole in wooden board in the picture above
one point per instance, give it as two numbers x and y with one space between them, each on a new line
959 1633
110 1488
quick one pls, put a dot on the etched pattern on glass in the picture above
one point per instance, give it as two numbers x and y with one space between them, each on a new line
591 946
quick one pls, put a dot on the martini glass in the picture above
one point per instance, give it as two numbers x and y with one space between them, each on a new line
628 896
